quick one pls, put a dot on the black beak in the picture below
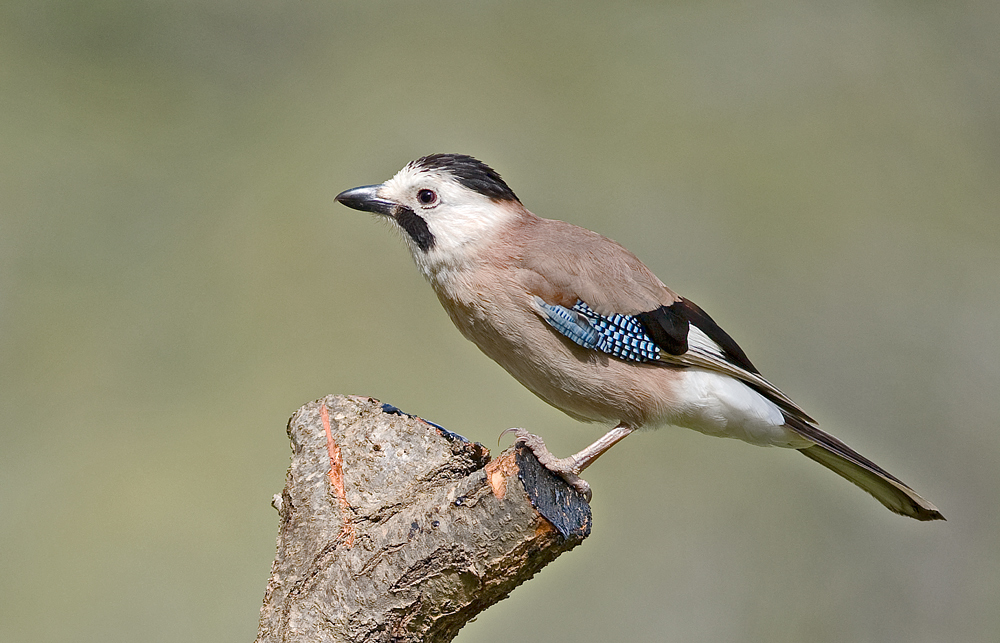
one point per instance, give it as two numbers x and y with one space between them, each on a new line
365 199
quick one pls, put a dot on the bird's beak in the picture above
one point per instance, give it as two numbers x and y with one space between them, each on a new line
366 199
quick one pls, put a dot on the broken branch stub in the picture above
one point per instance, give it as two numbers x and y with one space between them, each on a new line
394 529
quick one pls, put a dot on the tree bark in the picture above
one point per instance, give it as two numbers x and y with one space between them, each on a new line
394 529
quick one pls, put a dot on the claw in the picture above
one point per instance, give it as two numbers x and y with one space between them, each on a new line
510 430
565 468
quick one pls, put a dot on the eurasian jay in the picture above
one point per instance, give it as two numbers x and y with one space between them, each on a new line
584 325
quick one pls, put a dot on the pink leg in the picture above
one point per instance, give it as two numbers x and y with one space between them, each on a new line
569 469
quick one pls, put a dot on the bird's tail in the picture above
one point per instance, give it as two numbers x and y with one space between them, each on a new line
848 463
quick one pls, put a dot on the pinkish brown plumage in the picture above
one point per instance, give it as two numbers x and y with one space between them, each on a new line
587 327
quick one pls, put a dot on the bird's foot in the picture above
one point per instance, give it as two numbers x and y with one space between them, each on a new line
565 468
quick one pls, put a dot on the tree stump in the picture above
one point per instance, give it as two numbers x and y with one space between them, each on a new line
395 529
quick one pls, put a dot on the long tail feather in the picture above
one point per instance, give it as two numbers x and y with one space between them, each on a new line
848 463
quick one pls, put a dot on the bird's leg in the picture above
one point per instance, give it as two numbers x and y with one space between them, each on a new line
569 469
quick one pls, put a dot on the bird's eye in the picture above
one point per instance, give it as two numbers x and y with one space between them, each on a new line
427 197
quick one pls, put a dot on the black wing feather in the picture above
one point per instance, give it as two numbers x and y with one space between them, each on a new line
668 327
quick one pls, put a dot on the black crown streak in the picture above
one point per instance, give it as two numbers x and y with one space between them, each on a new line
470 173
415 226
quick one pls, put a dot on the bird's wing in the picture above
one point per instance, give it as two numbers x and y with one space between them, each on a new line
566 262
601 296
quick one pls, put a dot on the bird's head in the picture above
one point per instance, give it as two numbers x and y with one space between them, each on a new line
445 204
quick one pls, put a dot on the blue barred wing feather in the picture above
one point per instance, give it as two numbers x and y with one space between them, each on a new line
619 335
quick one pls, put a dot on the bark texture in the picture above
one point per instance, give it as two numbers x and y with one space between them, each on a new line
394 529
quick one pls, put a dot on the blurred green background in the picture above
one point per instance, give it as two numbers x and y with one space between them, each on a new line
176 279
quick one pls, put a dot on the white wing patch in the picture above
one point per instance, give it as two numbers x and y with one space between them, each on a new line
699 342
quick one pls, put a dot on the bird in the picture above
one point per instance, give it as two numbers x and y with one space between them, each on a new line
583 324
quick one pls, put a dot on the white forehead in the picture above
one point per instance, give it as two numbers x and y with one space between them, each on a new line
405 184
461 218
